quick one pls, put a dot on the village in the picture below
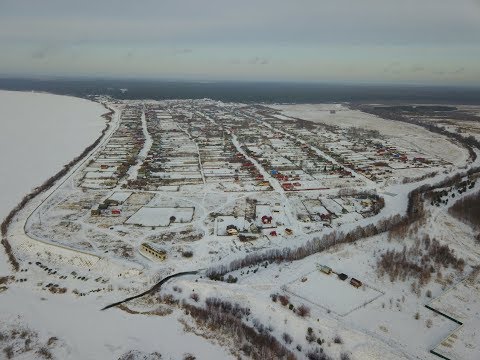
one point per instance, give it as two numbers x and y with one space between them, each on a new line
179 177
219 190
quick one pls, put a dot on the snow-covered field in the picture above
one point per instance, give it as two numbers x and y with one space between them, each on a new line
330 292
151 216
407 135
90 334
39 134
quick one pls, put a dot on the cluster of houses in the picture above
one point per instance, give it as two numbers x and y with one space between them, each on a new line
111 205
114 160
192 148
296 164
173 156
342 276
375 159
356 149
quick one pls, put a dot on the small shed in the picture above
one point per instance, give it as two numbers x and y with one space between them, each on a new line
355 282
95 211
342 276
111 202
103 206
325 269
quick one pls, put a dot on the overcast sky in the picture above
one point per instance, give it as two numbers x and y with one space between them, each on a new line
388 41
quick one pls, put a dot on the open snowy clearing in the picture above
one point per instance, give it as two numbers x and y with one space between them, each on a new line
90 334
330 292
150 216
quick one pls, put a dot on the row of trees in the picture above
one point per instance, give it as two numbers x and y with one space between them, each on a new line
313 246
255 342
467 209
420 261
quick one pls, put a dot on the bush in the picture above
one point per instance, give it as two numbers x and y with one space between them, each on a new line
303 311
344 356
45 353
187 254
418 261
318 355
226 318
284 299
287 338
194 297
337 340
310 337
9 352
231 279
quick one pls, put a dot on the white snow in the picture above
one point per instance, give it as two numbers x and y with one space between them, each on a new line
120 196
405 135
375 321
92 334
151 216
330 292
39 134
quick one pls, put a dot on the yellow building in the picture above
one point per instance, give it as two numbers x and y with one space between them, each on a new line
156 253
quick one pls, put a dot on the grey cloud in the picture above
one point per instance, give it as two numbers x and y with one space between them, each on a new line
44 51
182 51
39 53
246 22
258 61
417 68
393 68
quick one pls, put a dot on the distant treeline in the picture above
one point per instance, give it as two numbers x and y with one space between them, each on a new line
247 91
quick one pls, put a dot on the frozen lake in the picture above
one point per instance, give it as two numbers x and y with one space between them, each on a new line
39 134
